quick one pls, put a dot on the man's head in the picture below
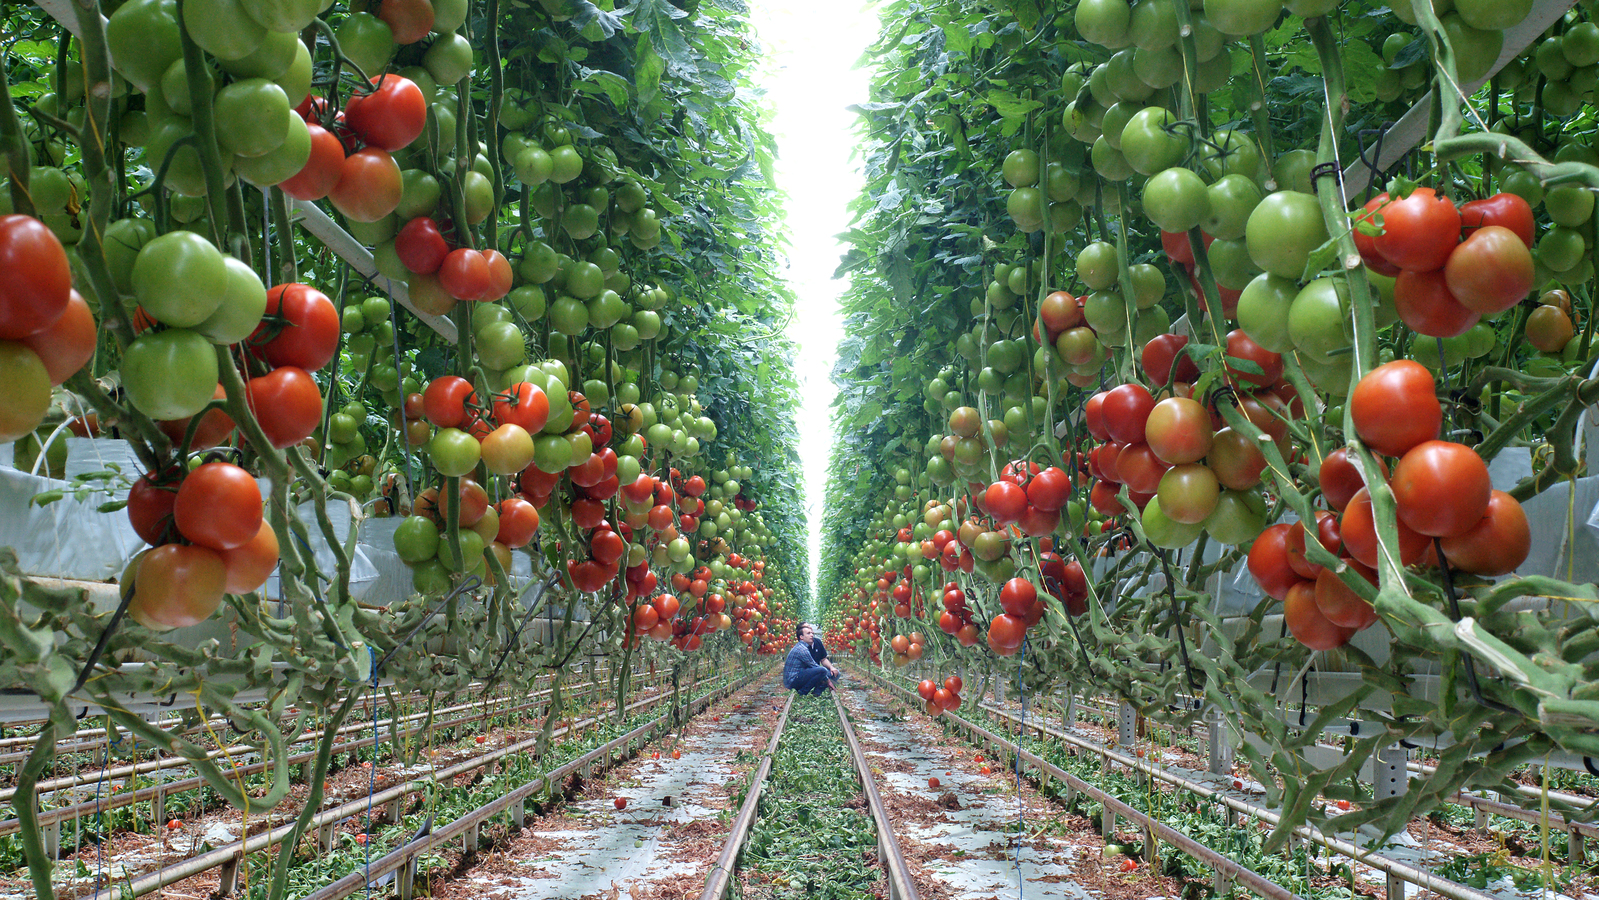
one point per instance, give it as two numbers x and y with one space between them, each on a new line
804 632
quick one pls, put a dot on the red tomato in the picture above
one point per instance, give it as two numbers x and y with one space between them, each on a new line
525 404
926 689
1017 596
1049 489
448 399
1306 623
321 171
465 274
1441 488
1505 210
150 509
1005 634
1497 544
1159 357
499 275
1059 311
1340 479
1241 347
519 521
1491 271
394 114
1126 409
1268 560
369 185
1395 407
66 345
1342 606
410 20
1425 303
1420 231
38 282
1005 502
1297 536
1358 531
420 246
250 564
1367 243
287 403
177 585
1094 416
218 506
300 328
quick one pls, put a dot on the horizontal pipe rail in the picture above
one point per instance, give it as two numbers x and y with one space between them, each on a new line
204 862
900 886
1441 886
720 882
405 857
118 800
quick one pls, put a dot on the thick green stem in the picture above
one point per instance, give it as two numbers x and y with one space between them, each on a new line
19 155
313 802
39 863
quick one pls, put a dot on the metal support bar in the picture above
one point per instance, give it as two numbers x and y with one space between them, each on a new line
228 877
1219 749
1126 724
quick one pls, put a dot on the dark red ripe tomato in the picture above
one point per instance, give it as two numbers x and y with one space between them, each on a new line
446 399
1094 416
1427 305
300 328
420 246
1306 623
1367 243
1005 501
37 283
1505 210
393 115
1420 231
1268 560
1126 410
1340 480
1159 356
1395 407
322 170
409 20
1441 488
1497 544
1341 605
1241 347
1359 534
1050 489
287 403
218 506
1326 535
150 509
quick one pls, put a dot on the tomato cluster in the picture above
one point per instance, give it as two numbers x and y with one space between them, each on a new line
939 699
208 538
47 332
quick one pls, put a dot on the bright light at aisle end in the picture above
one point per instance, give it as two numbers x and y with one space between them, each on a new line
810 78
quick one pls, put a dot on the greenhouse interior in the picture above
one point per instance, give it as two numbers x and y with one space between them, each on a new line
910 450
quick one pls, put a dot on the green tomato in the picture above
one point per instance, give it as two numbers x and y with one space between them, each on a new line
1282 232
169 374
288 16
223 28
1152 142
369 42
454 452
281 164
277 55
1176 200
243 303
479 195
1263 311
1098 266
252 117
449 59
144 40
1319 319
448 15
1232 198
180 278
